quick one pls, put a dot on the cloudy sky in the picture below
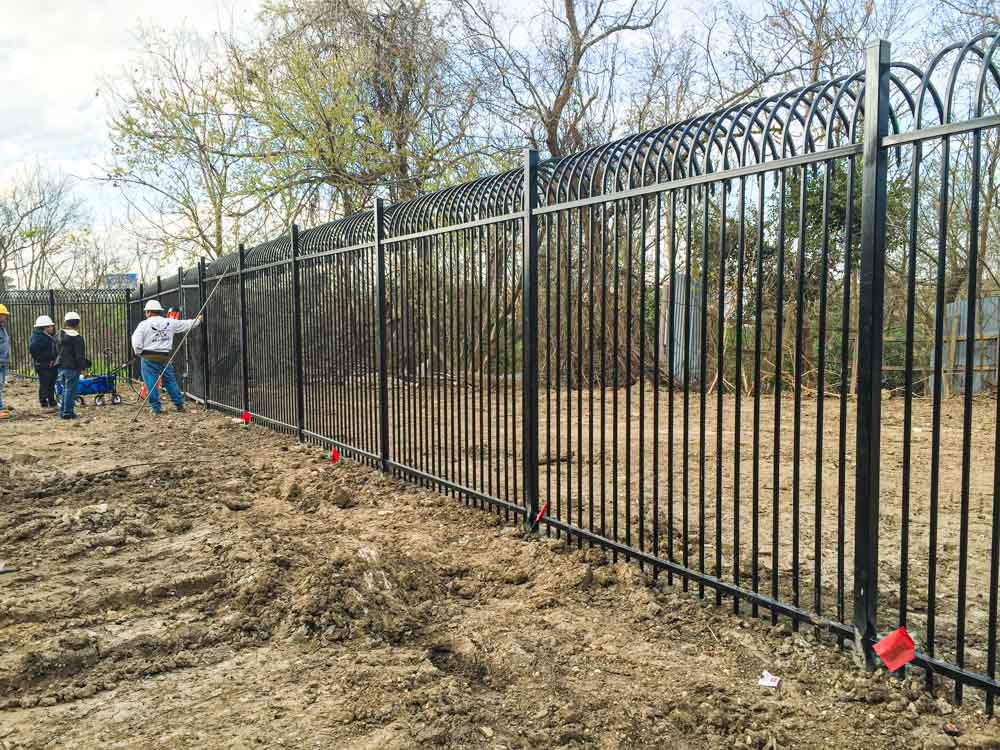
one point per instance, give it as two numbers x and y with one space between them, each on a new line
54 58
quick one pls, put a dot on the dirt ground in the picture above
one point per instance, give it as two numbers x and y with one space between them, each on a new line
606 448
248 593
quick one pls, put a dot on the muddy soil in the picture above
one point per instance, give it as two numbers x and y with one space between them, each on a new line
614 462
245 592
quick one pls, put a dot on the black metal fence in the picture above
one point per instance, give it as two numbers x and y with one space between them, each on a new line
104 314
695 347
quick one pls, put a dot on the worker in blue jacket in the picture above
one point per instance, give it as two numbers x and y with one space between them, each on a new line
44 352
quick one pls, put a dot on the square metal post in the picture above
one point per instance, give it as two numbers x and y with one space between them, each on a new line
137 365
383 367
300 399
530 347
204 332
182 308
128 328
871 298
244 344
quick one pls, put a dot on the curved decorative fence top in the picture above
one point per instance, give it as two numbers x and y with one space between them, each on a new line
959 85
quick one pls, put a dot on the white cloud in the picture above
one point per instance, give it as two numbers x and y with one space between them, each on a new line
54 56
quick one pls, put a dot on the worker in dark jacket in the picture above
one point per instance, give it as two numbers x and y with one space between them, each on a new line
44 351
71 362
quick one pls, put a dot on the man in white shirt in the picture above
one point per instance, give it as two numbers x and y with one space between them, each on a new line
153 340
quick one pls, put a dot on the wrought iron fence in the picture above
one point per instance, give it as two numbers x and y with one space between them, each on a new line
104 314
703 348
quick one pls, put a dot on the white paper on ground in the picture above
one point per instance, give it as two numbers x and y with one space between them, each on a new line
768 680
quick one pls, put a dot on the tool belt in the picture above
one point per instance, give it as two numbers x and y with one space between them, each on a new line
160 358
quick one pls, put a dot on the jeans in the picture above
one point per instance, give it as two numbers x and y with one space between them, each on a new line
71 386
46 385
151 372
3 381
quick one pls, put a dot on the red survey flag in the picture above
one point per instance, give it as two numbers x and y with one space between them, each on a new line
334 455
246 417
896 649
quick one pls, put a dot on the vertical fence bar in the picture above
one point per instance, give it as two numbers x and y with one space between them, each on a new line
244 344
300 398
128 331
972 296
383 370
529 297
870 311
52 304
204 331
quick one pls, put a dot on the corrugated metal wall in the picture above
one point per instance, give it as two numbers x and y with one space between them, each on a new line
694 327
984 376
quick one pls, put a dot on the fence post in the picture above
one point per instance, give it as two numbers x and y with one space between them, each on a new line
52 304
871 293
383 365
529 298
128 330
159 287
300 396
204 331
182 307
244 354
137 365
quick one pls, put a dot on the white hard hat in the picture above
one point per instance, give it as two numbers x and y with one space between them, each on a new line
70 316
153 306
43 320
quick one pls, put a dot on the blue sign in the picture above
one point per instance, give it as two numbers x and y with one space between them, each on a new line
122 281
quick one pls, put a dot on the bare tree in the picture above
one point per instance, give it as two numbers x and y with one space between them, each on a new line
174 132
790 43
974 15
669 86
556 85
351 97
39 218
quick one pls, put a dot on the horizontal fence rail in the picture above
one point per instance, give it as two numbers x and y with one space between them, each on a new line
716 349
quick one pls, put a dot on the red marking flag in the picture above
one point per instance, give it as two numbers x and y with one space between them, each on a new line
896 649
246 417
334 455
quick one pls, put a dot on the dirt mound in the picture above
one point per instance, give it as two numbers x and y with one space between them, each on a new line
310 496
357 591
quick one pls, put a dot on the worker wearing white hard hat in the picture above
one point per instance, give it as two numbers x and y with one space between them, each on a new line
4 357
44 351
72 361
153 340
